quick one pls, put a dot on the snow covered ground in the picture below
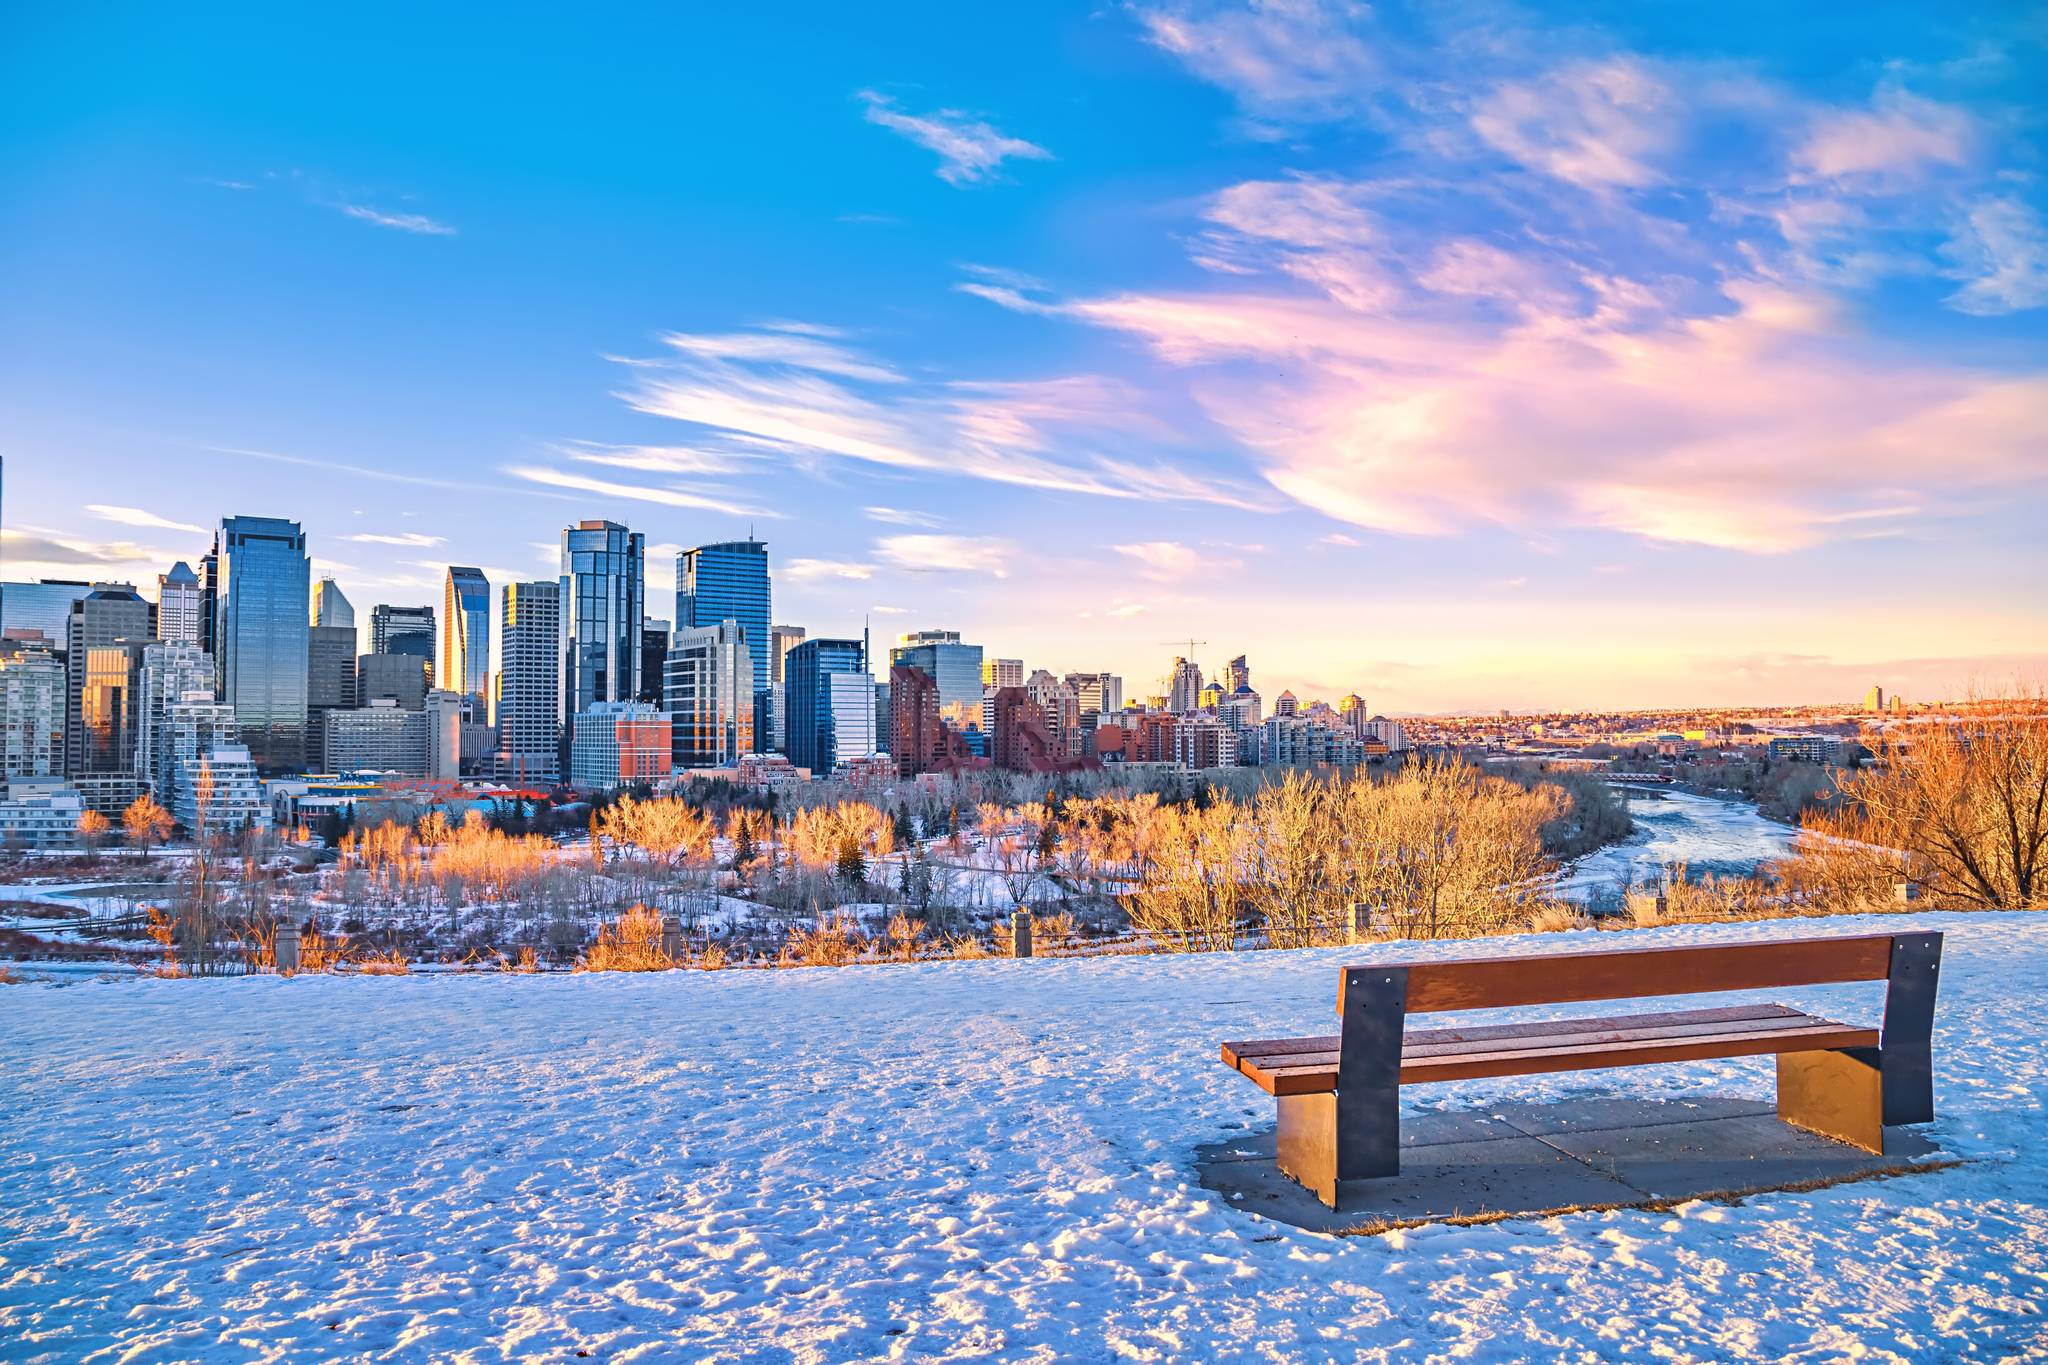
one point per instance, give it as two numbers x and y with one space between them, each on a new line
939 1161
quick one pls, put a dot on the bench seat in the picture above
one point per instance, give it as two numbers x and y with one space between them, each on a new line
1308 1066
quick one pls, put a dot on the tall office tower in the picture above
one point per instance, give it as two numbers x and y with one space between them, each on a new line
99 718
830 703
1286 705
727 582
330 681
409 631
528 704
1102 693
39 608
1184 691
655 638
1002 673
603 596
177 604
330 607
168 672
781 640
1237 673
771 710
709 695
261 588
954 666
32 692
397 678
1351 710
466 634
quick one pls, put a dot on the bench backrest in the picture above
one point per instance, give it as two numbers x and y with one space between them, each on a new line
1633 973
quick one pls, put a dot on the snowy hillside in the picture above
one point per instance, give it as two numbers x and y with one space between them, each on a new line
944 1161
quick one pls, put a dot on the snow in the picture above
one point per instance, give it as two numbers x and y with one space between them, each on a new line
941 1161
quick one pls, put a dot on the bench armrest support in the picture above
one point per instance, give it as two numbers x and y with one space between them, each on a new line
1369 1072
1906 1051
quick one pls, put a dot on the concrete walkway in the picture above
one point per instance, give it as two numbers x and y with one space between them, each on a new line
1527 1160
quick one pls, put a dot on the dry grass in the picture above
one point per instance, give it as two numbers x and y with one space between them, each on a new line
528 961
9 976
711 958
319 953
901 937
1053 932
967 948
630 943
1556 919
390 962
831 943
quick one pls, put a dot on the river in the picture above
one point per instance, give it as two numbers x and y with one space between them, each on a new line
1703 832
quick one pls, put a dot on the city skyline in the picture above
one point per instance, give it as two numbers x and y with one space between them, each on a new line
1461 360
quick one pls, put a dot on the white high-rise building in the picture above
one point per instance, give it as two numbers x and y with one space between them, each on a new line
217 789
619 744
32 689
171 671
1184 691
850 706
445 710
177 604
708 690
1002 672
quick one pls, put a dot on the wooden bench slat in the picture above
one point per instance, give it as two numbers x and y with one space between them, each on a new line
1254 1049
1490 983
1311 1072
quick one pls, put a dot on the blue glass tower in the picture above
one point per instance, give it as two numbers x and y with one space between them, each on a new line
727 582
954 666
260 585
822 678
603 567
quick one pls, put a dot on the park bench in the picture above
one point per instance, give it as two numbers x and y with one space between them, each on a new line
1338 1095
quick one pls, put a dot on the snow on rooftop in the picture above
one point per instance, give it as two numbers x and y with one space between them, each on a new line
939 1161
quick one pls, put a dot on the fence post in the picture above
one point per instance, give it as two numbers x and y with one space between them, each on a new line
672 938
1020 933
1905 893
1360 927
286 947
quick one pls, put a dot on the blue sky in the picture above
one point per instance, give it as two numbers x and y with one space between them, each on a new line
1461 355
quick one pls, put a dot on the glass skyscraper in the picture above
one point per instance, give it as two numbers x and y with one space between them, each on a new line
727 582
954 666
260 583
830 703
466 633
603 600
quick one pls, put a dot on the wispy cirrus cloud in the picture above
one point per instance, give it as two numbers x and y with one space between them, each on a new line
803 570
808 404
417 223
990 555
971 151
2000 251
136 516
670 496
412 539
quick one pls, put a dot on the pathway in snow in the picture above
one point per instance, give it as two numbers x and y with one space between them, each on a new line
944 1160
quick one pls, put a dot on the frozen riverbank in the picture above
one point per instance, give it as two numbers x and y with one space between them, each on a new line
944 1160
1705 833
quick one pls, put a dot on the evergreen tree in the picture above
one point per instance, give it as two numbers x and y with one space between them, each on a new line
851 867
